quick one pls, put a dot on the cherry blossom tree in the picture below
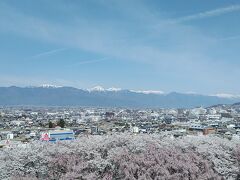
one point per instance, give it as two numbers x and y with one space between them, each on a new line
237 154
124 156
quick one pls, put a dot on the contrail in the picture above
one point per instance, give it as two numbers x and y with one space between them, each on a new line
206 14
47 53
230 38
92 61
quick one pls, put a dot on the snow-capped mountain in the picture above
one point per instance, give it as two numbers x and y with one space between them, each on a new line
102 89
224 95
50 86
114 89
148 92
49 95
45 86
96 88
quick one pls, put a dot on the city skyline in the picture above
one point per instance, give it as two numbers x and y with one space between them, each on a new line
140 45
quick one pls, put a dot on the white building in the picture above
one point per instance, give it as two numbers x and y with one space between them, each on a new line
135 129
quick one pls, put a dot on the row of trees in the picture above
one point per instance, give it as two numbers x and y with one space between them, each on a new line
61 123
125 156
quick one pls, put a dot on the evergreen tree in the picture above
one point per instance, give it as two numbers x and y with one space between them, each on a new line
50 124
61 123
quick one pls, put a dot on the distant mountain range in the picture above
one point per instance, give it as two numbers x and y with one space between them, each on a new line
48 95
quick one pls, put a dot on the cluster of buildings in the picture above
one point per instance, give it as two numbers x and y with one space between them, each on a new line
24 124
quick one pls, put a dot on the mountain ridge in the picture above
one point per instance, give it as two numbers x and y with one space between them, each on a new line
99 97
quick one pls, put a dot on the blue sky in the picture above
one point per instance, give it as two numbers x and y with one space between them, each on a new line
170 45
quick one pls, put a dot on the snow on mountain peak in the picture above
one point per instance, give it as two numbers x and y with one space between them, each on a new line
96 88
114 89
101 89
224 95
148 92
49 86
